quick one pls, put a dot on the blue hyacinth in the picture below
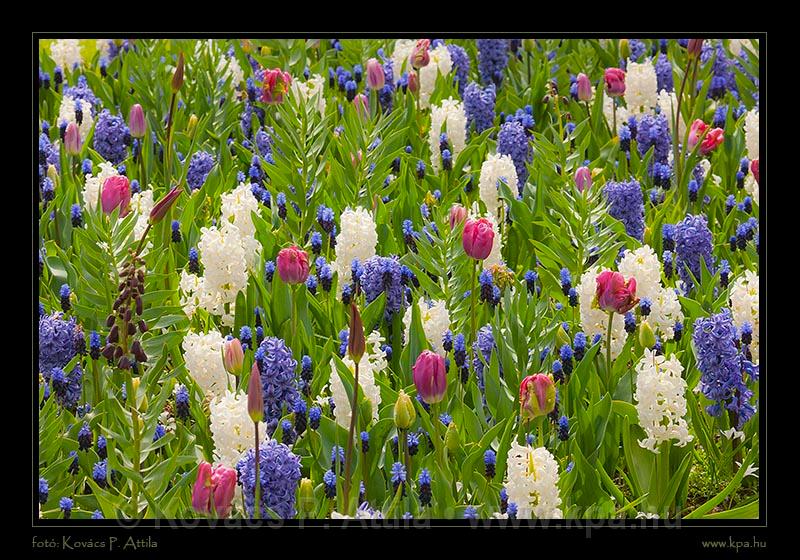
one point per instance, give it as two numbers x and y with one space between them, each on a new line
626 203
277 368
492 60
693 243
111 137
479 106
199 167
383 274
512 141
279 475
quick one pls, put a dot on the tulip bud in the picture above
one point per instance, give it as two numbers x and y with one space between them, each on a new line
614 294
306 495
420 55
452 439
255 396
72 139
191 125
537 396
136 122
624 48
404 413
457 215
584 87
356 344
116 194
177 77
233 356
647 337
583 179
413 81
52 173
562 337
529 44
755 169
143 405
376 79
293 265
694 47
162 206
362 105
478 238
615 81
430 377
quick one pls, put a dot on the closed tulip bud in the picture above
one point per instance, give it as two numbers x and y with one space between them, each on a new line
72 139
457 215
529 45
177 77
624 48
404 413
756 171
143 405
136 122
233 356
191 125
584 87
478 238
537 396
52 173
413 81
562 337
615 81
583 179
420 55
293 265
647 337
362 105
694 47
614 294
116 194
214 490
255 395
356 344
376 79
162 206
306 495
452 439
430 377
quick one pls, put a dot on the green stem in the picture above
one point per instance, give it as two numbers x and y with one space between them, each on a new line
168 147
96 379
473 286
257 504
608 350
137 441
614 118
349 451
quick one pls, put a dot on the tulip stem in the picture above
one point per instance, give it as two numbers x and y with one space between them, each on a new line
257 496
473 289
136 452
168 147
614 118
96 379
608 350
349 452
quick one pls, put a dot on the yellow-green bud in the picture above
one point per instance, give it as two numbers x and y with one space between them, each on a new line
404 413
191 125
452 439
562 337
52 173
306 495
647 337
624 48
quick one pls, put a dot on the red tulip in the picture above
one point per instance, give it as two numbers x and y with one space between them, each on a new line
754 168
214 485
457 215
430 377
162 206
478 238
537 396
413 81
614 294
696 131
714 138
376 79
584 87
293 265
615 81
276 84
583 179
116 193
421 56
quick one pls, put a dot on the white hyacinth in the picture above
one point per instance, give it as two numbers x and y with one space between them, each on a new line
435 322
400 56
141 205
608 112
496 255
228 67
744 306
66 53
372 362
661 400
311 90
451 117
668 105
203 356
94 184
751 186
231 428
440 63
191 289
594 320
495 168
532 482
665 309
223 254
66 113
357 240
751 130
641 87
238 206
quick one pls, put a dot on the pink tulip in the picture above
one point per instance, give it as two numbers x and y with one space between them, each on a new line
233 356
421 56
413 81
430 377
255 395
478 238
615 81
537 396
376 79
136 122
583 179
361 104
72 139
215 486
584 87
696 131
276 84
694 47
116 194
754 165
713 139
614 294
293 265
162 206
457 215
